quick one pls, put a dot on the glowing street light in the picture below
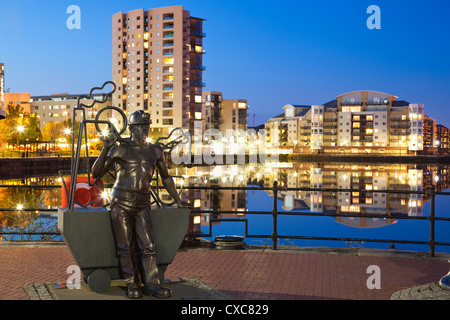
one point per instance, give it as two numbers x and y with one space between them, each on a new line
21 129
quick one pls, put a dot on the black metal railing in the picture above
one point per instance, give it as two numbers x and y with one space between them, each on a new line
432 218
274 236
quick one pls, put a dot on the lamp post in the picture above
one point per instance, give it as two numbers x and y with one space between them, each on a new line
20 129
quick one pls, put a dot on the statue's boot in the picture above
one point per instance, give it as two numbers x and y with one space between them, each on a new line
131 276
152 285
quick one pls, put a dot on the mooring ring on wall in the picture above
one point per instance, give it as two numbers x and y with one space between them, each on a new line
125 120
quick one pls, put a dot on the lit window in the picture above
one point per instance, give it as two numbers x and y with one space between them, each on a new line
198 99
169 60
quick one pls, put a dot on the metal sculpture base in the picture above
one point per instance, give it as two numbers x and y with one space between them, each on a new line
89 236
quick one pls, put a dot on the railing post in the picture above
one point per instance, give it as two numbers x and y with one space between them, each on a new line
432 219
275 215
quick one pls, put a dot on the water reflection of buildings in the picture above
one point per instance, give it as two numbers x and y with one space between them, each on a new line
234 202
361 188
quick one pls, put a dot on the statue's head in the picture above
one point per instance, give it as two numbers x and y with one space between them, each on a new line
139 124
140 117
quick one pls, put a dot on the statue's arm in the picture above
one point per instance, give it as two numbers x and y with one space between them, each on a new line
105 160
167 179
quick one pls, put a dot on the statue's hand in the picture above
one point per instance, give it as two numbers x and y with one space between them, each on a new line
109 140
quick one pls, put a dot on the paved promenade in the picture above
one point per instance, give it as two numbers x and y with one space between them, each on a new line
253 274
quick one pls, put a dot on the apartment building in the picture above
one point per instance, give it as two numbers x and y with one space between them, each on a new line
18 98
59 108
157 59
223 114
2 91
291 128
357 122
443 137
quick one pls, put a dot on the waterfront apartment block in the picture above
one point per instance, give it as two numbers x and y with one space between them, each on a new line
157 59
223 114
2 91
18 98
59 108
357 122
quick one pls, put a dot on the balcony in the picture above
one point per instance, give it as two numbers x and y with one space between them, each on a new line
198 66
198 84
351 103
167 26
168 35
403 133
168 44
198 33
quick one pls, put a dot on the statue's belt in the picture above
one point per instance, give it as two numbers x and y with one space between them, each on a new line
131 196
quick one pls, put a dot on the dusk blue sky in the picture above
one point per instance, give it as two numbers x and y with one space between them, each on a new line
271 53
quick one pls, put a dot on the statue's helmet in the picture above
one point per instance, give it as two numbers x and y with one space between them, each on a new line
139 117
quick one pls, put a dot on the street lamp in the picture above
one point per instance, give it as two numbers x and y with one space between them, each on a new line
21 129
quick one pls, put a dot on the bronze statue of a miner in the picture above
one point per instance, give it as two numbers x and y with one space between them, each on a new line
135 161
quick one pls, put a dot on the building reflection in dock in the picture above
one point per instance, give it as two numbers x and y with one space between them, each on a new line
362 190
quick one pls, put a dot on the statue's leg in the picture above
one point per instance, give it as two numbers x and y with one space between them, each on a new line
145 240
123 229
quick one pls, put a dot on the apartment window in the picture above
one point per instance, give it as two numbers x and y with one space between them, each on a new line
169 60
